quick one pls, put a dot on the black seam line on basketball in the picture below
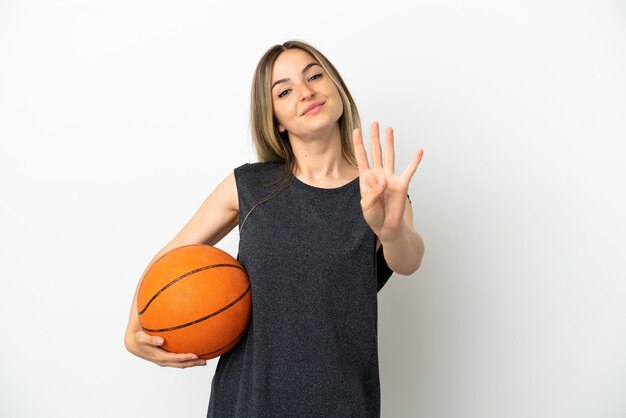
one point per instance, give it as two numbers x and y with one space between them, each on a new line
230 343
176 280
200 319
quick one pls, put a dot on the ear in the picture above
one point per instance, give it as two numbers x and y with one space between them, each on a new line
281 128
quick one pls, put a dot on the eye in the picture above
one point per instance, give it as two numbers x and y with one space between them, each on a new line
284 93
315 77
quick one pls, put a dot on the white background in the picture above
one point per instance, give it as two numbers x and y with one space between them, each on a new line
117 119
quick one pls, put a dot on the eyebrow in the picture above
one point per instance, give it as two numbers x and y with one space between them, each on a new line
304 70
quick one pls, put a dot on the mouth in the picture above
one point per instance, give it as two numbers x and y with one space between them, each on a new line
312 108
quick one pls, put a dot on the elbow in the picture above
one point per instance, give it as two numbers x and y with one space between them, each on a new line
407 270
127 342
420 255
415 265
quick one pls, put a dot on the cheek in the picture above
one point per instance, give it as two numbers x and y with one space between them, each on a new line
334 93
339 103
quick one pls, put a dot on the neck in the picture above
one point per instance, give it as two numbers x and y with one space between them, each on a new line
320 161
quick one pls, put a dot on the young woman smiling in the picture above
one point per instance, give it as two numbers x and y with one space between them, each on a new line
320 232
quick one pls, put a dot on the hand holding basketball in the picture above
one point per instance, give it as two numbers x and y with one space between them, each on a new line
149 348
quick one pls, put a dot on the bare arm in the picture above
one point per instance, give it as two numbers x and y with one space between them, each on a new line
404 251
215 218
384 202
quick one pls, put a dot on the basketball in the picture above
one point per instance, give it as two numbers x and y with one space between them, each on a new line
197 297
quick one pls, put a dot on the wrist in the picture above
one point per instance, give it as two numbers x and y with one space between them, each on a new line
391 236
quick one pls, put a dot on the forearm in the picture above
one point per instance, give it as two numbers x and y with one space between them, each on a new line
404 251
133 326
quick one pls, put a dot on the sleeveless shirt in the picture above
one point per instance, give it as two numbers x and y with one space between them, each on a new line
311 349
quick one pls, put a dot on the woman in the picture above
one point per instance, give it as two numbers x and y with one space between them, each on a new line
320 233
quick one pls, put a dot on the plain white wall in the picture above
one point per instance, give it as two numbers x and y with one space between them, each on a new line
117 118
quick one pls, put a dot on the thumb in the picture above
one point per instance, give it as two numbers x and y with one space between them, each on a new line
369 200
151 339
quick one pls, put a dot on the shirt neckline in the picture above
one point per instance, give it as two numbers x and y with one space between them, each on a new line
347 185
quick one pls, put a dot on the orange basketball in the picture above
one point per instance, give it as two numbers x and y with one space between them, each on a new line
197 298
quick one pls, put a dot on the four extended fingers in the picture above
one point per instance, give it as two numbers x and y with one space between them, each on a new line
361 154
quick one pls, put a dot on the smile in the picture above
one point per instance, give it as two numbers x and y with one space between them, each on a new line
313 109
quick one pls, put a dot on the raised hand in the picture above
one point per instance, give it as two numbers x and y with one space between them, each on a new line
383 193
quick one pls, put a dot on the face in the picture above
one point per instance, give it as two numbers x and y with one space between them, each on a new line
305 99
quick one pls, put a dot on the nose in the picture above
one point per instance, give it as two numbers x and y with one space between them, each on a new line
306 92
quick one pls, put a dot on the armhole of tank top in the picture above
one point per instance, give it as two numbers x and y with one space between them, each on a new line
383 272
265 199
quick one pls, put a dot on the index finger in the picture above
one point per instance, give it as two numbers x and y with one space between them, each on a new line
359 151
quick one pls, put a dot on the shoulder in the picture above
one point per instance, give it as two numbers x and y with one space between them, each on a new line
260 167
260 172
256 181
225 194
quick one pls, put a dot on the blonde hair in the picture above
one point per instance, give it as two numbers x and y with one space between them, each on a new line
272 145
